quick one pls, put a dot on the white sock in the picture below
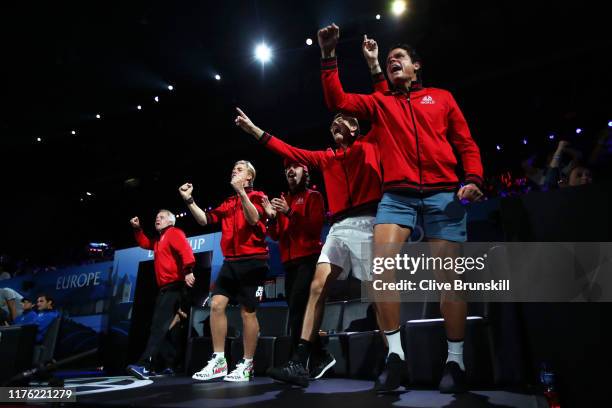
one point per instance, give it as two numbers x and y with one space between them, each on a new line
248 360
394 340
219 355
455 353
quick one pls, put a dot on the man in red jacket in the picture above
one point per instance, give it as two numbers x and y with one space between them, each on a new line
353 183
244 269
295 221
417 129
173 262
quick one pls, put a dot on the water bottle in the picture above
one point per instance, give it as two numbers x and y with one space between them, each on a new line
547 379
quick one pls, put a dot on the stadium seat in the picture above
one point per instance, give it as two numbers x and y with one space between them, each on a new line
44 352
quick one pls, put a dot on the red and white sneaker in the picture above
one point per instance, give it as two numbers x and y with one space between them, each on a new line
242 372
216 368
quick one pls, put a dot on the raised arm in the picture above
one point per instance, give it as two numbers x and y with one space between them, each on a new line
143 241
370 53
308 157
251 213
186 192
361 106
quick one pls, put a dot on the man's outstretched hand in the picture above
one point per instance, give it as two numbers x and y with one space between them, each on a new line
244 123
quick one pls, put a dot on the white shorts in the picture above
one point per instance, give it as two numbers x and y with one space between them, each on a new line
349 246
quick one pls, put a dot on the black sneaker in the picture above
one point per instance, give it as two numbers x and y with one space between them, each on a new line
453 379
393 376
292 373
318 365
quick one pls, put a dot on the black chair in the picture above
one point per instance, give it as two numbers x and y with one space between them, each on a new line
44 352
358 346
199 340
273 344
426 347
16 350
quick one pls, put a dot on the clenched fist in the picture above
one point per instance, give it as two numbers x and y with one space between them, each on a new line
135 222
186 190
328 39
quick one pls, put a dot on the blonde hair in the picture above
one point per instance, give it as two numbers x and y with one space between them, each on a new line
250 169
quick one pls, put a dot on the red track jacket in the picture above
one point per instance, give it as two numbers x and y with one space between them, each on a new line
173 256
415 137
299 232
352 176
239 240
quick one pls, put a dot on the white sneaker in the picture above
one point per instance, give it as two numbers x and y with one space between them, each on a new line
216 368
242 372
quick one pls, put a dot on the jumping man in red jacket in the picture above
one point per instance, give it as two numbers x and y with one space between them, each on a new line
353 183
173 261
295 221
417 129
244 269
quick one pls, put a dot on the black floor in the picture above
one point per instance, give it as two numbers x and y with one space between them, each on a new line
263 392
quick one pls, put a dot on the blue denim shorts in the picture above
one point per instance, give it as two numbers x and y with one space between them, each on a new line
440 215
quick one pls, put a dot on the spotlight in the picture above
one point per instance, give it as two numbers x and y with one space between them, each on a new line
378 16
263 53
139 107
610 123
551 137
98 116
498 147
398 7
73 132
156 99
170 88
578 131
309 41
38 139
524 141
88 194
217 77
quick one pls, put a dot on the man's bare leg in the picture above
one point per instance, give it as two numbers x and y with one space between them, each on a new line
313 316
250 331
218 322
388 240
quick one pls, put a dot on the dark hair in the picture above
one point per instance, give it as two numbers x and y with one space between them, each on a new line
351 119
413 56
47 298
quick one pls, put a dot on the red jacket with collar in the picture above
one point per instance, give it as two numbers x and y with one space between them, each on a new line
415 136
299 231
352 177
239 239
173 256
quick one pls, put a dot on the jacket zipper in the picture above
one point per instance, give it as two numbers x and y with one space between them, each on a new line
416 135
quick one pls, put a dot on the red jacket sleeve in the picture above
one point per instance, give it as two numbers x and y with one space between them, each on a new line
459 135
215 216
256 198
181 246
143 241
359 105
380 83
309 157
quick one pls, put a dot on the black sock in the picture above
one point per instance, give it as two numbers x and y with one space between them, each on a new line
302 352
